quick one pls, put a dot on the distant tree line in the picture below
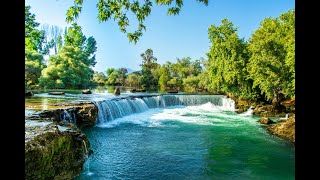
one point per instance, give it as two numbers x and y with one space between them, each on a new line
263 67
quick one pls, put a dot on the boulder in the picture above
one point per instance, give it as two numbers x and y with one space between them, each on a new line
284 129
83 114
140 90
172 92
56 93
117 91
86 91
28 94
265 120
133 90
268 111
53 151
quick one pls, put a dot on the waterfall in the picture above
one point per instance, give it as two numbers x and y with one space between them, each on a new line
228 103
248 112
119 107
66 117
87 163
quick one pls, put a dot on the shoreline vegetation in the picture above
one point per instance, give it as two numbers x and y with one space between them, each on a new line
258 74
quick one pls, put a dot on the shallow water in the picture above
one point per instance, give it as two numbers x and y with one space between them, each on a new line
193 142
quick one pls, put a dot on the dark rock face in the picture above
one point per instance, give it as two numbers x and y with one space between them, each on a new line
53 151
28 94
268 111
265 120
284 129
56 93
86 91
140 90
133 90
117 91
83 114
172 92
242 105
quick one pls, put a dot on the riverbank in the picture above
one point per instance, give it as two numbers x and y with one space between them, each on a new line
74 116
284 128
54 151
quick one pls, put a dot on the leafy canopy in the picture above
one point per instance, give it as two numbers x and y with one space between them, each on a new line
118 10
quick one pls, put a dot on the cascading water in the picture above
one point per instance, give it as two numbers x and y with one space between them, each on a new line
116 108
248 112
87 167
66 117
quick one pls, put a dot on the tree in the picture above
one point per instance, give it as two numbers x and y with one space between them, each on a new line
271 65
110 70
34 63
122 75
164 76
133 80
227 60
66 70
191 82
113 78
34 38
119 9
71 67
99 78
53 34
149 63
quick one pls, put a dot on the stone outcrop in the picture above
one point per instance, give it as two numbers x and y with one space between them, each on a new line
242 105
83 114
56 93
86 91
284 129
265 120
53 151
269 111
117 91
28 94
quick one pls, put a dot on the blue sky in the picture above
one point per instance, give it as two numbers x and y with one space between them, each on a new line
170 37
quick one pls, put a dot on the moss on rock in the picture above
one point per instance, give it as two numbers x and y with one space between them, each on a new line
54 153
284 129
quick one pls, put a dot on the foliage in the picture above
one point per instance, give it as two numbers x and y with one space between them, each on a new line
71 67
34 38
133 80
119 9
149 69
99 78
34 63
53 35
67 70
227 60
116 77
271 65
191 82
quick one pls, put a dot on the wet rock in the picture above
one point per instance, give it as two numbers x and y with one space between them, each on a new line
284 129
53 152
117 91
172 92
289 105
268 111
28 94
56 93
83 114
86 91
265 120
140 90
133 90
241 105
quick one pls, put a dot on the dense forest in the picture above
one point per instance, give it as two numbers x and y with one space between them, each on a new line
263 67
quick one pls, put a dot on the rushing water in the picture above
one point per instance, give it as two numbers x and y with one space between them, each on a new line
183 137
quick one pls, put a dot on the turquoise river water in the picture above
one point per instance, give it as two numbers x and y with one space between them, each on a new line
189 140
